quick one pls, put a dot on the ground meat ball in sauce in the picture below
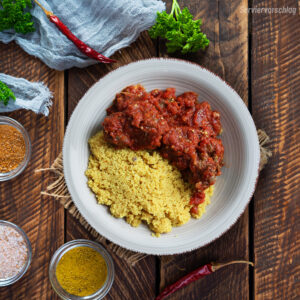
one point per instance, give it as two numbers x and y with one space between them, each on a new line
182 129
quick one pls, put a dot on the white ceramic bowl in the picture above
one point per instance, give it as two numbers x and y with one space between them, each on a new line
233 189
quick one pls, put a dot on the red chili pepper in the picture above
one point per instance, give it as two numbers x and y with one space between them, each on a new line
195 275
84 48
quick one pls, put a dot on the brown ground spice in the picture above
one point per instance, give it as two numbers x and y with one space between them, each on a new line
12 148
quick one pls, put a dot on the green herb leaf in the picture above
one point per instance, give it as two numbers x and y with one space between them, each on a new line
14 14
180 30
6 93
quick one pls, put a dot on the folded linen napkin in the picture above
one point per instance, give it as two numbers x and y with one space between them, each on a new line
105 25
34 96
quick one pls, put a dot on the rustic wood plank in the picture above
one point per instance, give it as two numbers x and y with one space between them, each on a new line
227 56
20 200
80 80
227 29
136 282
275 105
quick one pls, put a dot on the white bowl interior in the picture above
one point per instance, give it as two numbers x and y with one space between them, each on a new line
233 188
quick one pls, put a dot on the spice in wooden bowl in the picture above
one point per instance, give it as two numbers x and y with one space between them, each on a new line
12 148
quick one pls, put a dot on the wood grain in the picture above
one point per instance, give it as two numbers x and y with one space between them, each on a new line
80 80
275 66
227 29
138 282
275 105
20 200
227 56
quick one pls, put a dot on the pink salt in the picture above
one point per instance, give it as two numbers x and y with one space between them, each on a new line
13 252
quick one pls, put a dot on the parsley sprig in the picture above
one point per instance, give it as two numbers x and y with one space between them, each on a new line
6 93
180 30
14 15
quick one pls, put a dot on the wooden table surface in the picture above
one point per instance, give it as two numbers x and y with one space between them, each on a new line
258 54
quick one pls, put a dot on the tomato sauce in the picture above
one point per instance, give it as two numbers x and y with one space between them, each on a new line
182 129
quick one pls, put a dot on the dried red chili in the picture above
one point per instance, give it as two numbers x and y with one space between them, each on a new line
84 48
195 275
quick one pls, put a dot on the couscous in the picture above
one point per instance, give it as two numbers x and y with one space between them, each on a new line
140 186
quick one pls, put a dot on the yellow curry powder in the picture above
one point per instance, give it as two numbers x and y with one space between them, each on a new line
81 271
12 148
